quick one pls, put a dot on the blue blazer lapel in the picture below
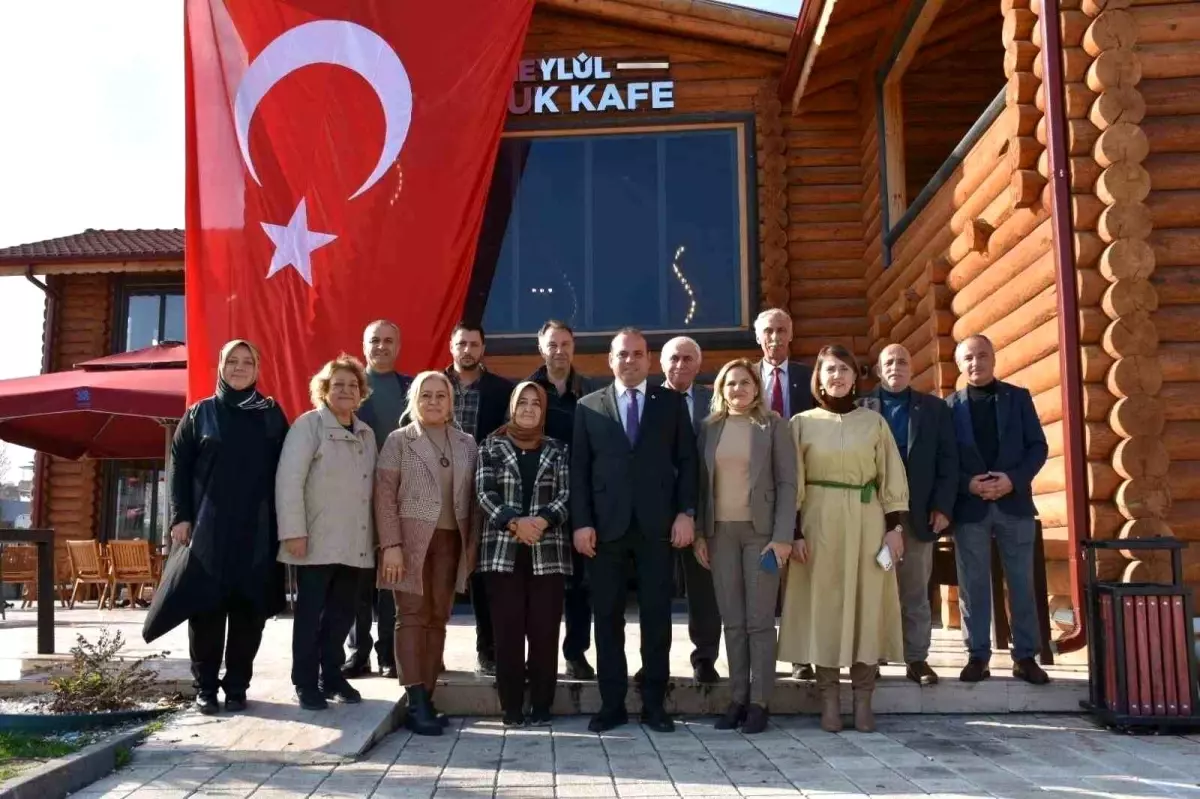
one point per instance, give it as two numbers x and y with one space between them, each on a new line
1004 400
962 420
916 407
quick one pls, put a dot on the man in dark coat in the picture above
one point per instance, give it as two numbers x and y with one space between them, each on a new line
633 492
564 388
924 433
1001 448
382 411
480 407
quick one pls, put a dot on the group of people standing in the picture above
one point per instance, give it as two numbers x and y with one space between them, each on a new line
393 494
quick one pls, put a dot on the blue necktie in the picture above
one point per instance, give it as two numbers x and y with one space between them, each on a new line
631 417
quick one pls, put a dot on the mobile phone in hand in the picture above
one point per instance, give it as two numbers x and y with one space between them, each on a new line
768 563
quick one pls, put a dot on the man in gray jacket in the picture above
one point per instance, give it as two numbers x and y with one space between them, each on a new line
924 431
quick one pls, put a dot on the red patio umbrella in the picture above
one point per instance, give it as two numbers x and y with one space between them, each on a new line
105 410
166 355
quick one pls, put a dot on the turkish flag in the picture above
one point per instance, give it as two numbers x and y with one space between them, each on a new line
339 154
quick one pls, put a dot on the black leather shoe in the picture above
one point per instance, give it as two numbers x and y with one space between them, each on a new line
342 692
208 704
441 717
235 703
485 667
757 719
976 670
919 672
311 699
388 672
516 719
803 671
580 669
354 670
607 720
1028 670
735 714
705 673
639 678
541 718
657 720
420 718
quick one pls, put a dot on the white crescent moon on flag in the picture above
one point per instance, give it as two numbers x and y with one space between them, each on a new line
344 44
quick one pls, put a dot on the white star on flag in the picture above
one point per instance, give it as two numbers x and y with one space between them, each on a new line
295 243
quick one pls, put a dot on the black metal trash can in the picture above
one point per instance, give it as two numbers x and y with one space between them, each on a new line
1141 645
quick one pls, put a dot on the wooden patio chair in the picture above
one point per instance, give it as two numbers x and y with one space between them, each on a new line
88 568
18 564
131 566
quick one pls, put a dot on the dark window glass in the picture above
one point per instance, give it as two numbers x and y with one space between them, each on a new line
139 503
616 229
154 317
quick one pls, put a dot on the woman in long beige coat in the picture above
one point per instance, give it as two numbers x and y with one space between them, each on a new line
841 606
323 502
424 512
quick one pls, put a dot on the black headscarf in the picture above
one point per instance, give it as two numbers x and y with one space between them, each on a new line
246 399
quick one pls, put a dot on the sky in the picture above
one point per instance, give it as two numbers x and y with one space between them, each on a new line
92 136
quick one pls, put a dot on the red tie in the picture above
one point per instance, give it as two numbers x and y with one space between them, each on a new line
777 392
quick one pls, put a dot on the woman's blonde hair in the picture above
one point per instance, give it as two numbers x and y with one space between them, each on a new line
758 410
318 387
414 391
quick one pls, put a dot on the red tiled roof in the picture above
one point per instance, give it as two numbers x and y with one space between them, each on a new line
100 245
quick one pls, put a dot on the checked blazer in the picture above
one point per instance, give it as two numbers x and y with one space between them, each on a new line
498 488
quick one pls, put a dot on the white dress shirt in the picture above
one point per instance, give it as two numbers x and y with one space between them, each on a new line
768 380
623 401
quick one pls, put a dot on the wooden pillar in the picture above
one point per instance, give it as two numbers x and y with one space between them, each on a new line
775 288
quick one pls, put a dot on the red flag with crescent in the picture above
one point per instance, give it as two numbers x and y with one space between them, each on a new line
339 154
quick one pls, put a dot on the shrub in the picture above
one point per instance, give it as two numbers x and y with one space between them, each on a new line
100 681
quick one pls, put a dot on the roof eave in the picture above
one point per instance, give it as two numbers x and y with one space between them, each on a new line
802 53
12 267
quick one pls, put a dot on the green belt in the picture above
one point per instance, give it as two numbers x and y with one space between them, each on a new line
866 493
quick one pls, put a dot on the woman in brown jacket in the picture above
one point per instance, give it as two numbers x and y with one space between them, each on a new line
424 509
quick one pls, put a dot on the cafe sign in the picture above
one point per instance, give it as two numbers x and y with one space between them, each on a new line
590 84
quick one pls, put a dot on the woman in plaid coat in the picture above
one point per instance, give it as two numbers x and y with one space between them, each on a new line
525 552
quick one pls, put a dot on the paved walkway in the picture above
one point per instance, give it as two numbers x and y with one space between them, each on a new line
1014 756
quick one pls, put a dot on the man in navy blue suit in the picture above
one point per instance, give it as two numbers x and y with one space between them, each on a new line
1001 448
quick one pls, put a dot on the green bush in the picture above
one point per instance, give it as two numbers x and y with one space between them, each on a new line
100 681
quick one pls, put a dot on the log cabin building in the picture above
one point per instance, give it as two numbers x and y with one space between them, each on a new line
910 171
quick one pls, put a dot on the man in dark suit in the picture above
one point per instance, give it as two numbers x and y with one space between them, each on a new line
633 492
1001 448
680 360
564 388
787 384
382 411
480 406
924 431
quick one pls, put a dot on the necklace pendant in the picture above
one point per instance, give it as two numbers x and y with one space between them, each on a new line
445 462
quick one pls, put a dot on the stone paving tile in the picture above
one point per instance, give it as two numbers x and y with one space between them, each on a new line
973 757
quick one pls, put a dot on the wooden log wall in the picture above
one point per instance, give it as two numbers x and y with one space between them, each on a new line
72 497
1167 51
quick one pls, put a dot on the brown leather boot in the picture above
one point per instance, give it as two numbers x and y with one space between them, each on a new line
862 678
830 690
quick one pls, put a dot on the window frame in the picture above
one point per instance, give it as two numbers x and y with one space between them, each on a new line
743 126
129 287
889 118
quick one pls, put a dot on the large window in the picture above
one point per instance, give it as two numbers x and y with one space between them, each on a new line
153 314
641 227
137 501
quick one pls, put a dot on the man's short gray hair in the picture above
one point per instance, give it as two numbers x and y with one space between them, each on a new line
761 320
680 340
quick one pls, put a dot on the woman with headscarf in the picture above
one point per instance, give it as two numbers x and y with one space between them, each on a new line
223 461
525 555
424 511
323 498
841 606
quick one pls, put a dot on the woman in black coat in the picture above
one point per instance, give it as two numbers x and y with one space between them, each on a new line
224 457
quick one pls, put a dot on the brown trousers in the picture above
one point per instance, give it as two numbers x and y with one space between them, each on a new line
421 618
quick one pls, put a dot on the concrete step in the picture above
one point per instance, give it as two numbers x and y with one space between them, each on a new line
464 694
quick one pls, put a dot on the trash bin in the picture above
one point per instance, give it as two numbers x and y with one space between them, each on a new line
1141 645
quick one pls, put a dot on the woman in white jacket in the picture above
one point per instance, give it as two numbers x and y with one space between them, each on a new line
323 501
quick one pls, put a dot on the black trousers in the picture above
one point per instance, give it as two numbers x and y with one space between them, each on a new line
485 639
652 556
526 607
578 610
325 601
704 618
208 641
380 607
